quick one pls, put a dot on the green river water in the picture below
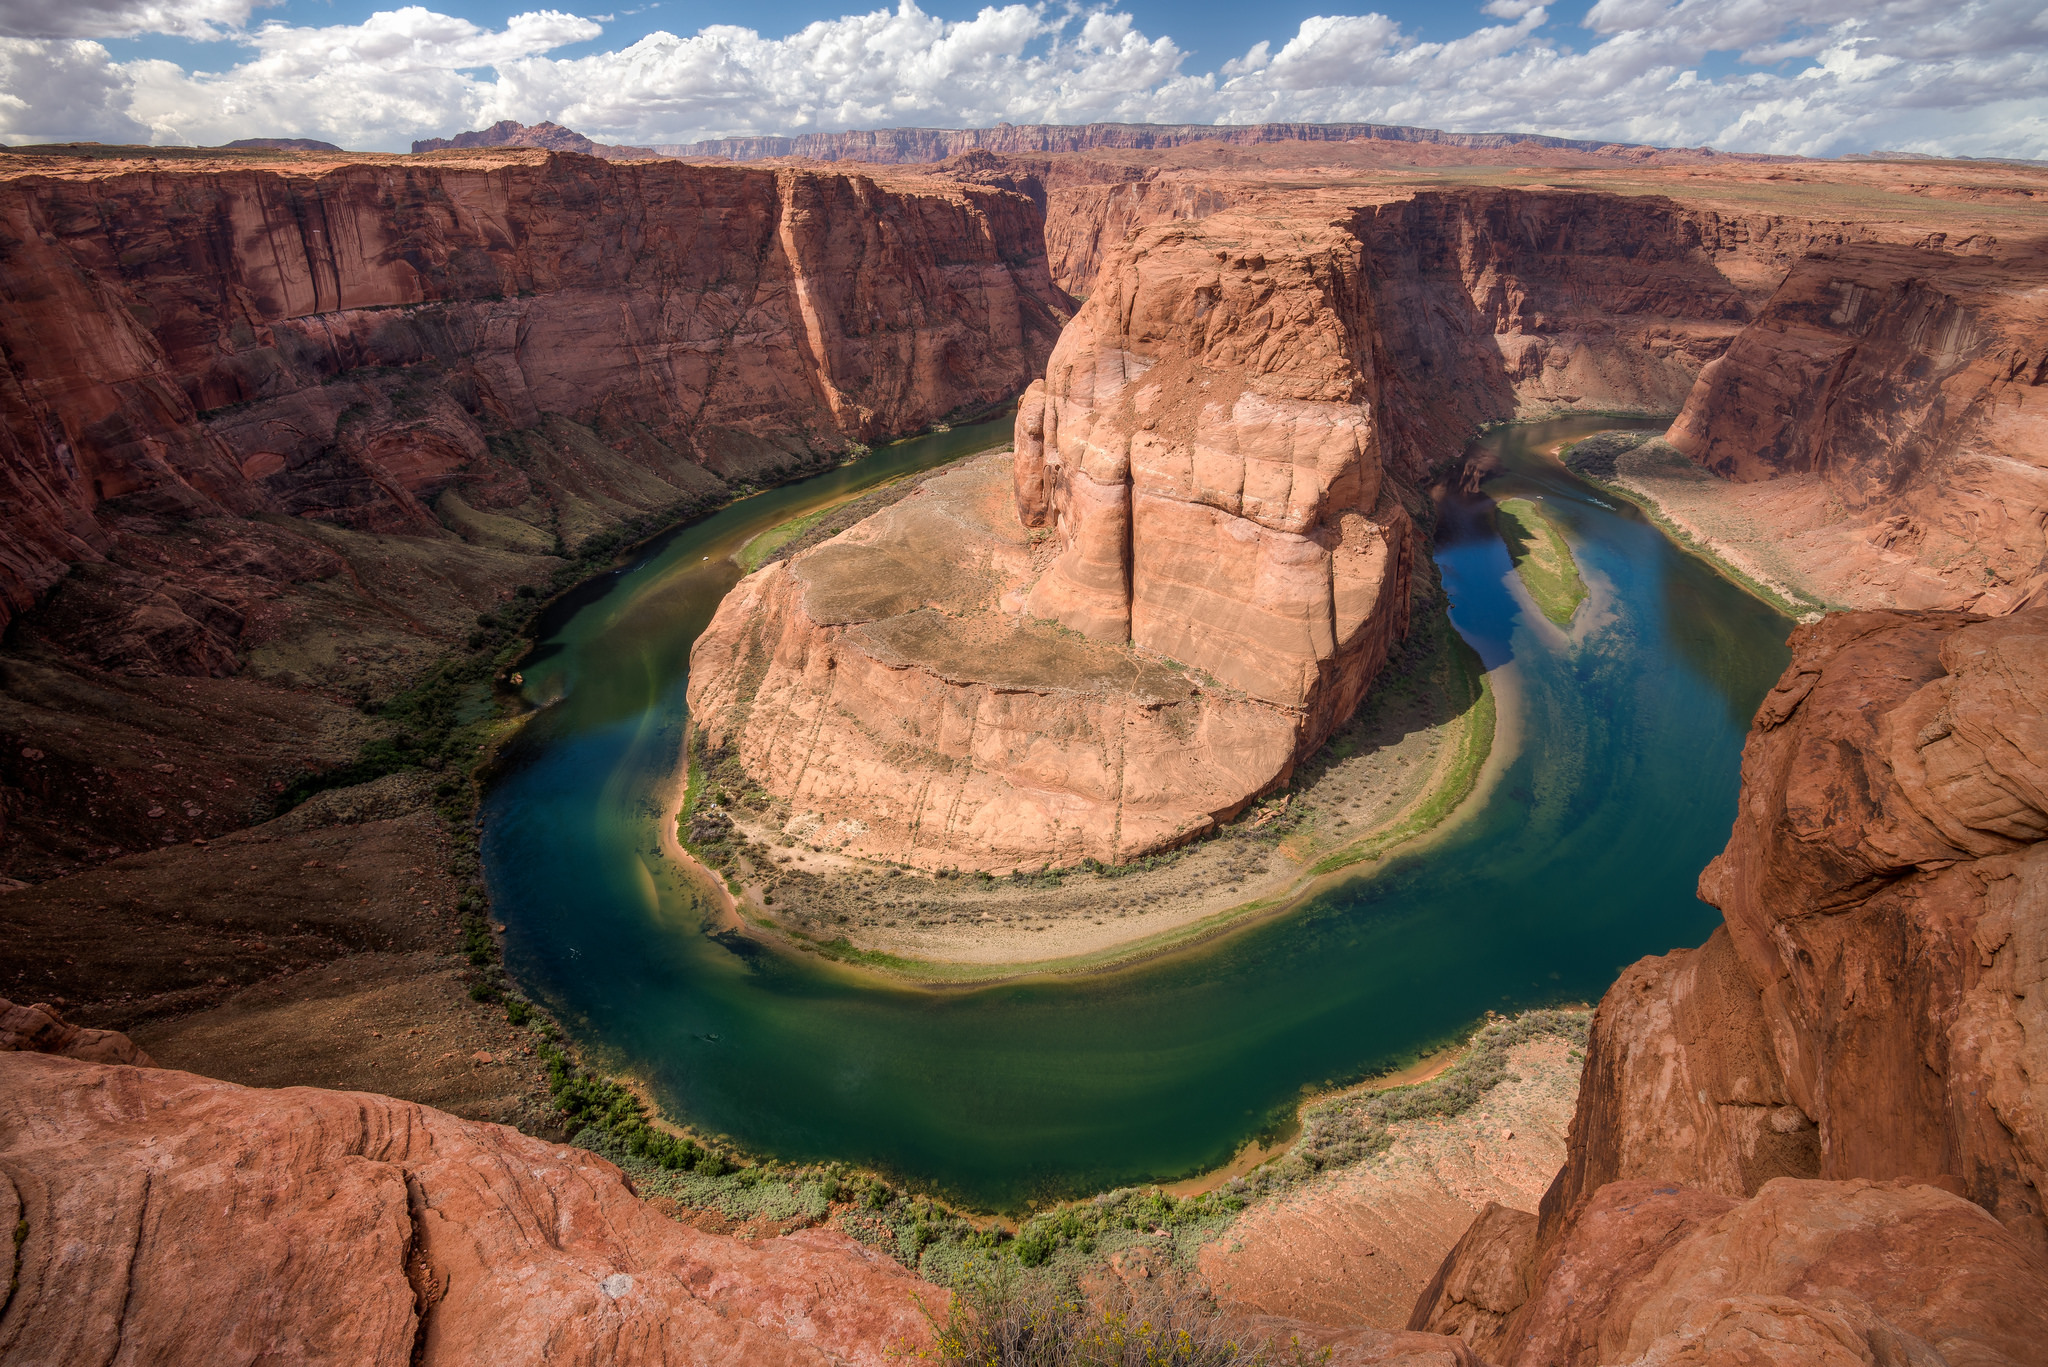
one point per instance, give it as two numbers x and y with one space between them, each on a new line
1580 858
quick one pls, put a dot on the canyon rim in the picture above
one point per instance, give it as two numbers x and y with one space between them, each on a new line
309 457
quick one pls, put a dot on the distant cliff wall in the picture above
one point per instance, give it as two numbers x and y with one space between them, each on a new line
348 346
897 145
1911 383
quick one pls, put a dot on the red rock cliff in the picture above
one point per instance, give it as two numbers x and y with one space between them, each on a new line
1912 383
1207 450
346 346
164 1217
1824 1128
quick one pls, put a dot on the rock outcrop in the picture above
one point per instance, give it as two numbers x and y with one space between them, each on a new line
1206 451
169 1218
1778 1133
1197 485
1908 387
38 1029
888 689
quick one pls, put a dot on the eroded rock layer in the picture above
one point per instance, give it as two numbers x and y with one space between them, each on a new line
1907 386
888 688
1819 1138
1196 495
346 346
163 1217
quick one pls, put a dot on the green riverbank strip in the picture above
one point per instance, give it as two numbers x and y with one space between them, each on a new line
1542 557
1073 1239
756 552
1474 743
1606 459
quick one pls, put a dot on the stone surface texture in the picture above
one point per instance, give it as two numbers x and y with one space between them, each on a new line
1910 383
174 1219
1359 1245
39 1029
887 687
1819 1137
278 428
344 346
1196 497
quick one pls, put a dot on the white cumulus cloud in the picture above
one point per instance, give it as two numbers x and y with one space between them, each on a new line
1813 76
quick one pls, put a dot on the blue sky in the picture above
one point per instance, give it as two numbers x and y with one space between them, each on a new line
1818 77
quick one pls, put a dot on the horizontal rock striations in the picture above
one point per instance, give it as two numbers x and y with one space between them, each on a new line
1822 1130
1206 453
1907 387
1196 496
163 1217
887 688
352 346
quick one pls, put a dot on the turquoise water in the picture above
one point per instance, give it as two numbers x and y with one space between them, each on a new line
1581 858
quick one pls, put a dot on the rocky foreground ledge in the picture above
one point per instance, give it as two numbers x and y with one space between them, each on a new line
164 1217
1822 1137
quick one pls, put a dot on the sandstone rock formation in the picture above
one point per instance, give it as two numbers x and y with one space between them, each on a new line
38 1029
1905 388
169 1218
1206 452
350 346
887 688
1821 1131
1201 472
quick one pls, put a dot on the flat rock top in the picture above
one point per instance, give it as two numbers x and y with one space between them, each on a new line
934 583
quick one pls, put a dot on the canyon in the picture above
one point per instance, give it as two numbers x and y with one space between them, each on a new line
281 434
1221 473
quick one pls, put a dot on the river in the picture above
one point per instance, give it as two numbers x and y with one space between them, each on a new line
1578 858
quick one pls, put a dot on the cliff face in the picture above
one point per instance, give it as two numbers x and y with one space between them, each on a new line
1907 385
291 434
886 688
1844 1079
1493 303
346 347
1206 450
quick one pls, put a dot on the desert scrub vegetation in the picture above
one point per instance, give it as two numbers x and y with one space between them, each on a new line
998 1317
1354 1126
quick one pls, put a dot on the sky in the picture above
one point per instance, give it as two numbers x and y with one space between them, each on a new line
1816 77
